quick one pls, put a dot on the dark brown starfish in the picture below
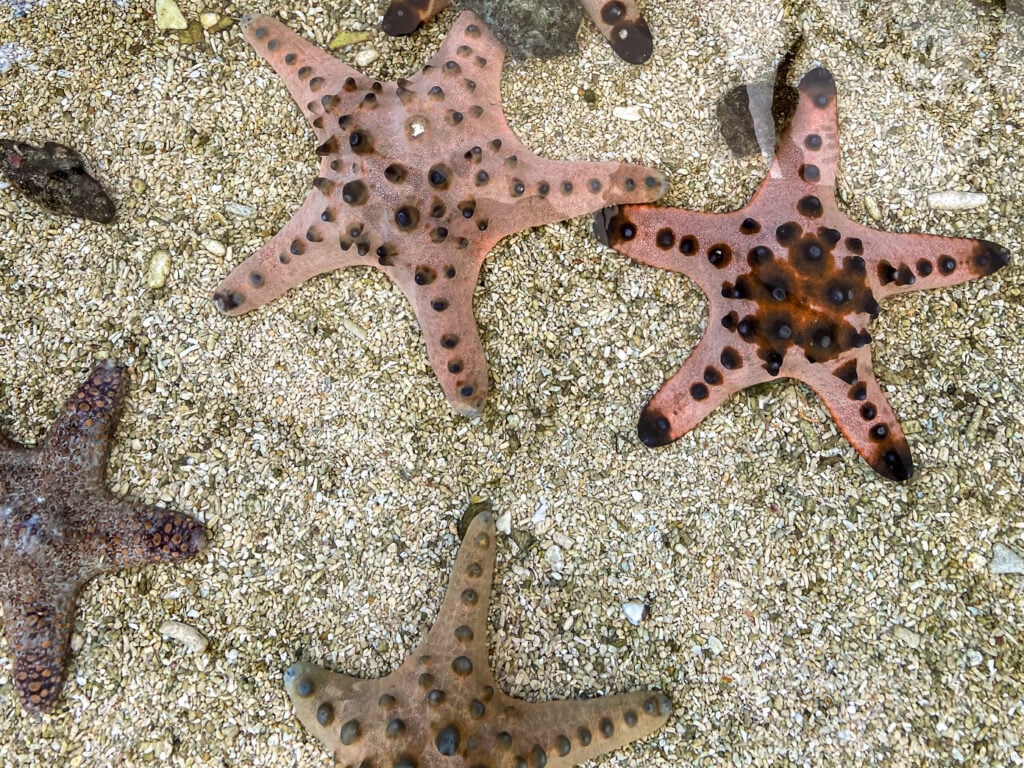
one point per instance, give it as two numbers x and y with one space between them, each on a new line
619 21
792 284
442 707
419 179
60 527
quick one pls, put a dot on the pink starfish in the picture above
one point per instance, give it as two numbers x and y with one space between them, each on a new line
60 527
420 179
618 20
792 284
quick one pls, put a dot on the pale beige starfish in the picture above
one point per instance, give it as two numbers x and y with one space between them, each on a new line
442 707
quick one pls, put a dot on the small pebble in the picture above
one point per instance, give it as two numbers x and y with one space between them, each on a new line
216 247
139 186
974 658
1005 560
632 114
208 19
366 57
168 16
554 557
715 645
872 208
907 637
504 522
956 201
158 270
636 612
185 634
241 210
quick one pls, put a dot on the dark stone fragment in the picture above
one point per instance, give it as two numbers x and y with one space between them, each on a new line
55 177
540 28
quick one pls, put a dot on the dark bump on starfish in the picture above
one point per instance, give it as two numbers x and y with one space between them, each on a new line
482 177
355 192
855 245
386 701
313 235
516 188
255 279
629 718
566 187
396 173
439 234
606 727
632 41
653 429
988 257
449 341
820 86
386 255
361 142
879 432
448 739
896 464
613 12
329 147
304 71
886 272
468 208
924 267
810 173
349 732
712 376
829 235
407 217
594 185
562 745
847 372
688 245
858 391
750 226
787 233
455 366
947 265
730 358
454 117
720 255
810 206
451 67
583 734
394 728
812 141
436 697
424 275
512 161
439 305
759 255
477 709
698 391
730 321
325 714
273 44
436 92
401 19
665 238
868 411
316 83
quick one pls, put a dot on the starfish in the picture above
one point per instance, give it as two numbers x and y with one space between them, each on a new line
419 179
60 527
442 707
619 21
792 284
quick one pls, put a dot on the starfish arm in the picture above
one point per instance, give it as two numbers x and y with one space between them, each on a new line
560 190
442 299
461 625
623 26
403 17
676 240
560 734
717 368
78 442
809 148
124 534
860 409
899 263
313 77
292 256
37 622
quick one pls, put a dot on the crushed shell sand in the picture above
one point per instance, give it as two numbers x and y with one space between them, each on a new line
802 610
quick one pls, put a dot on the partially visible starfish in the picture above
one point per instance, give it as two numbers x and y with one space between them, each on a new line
792 284
60 527
618 20
419 179
442 707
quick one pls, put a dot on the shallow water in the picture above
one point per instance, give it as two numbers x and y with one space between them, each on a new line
802 609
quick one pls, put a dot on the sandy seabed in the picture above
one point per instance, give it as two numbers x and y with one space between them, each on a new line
803 611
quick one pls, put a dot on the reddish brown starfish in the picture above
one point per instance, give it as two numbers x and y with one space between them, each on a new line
792 284
619 21
419 179
442 707
60 527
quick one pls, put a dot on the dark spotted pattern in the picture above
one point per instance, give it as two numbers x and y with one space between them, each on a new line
60 527
792 285
618 20
418 178
442 707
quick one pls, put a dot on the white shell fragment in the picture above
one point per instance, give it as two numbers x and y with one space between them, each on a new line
185 634
632 114
158 270
951 200
216 247
1005 560
366 57
168 16
636 612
